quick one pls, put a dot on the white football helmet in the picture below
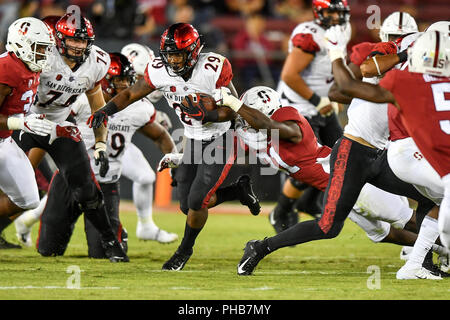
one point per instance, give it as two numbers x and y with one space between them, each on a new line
262 98
397 24
139 56
430 54
26 36
441 26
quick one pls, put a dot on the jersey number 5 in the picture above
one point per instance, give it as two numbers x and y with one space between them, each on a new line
440 91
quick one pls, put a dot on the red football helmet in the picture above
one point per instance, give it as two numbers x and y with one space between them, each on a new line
69 26
120 68
339 6
180 38
51 22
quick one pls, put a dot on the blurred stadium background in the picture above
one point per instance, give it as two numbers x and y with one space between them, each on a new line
253 34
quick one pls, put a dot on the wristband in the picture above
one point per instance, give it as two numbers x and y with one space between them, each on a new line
14 123
110 108
315 99
232 102
100 146
403 56
376 65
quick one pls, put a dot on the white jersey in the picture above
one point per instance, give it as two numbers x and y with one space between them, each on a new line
368 120
210 72
60 86
121 128
310 37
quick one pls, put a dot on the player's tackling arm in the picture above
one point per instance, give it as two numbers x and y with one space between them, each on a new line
225 113
379 64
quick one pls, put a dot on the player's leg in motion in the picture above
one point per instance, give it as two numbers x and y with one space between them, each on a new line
137 169
58 218
197 181
72 160
18 183
111 195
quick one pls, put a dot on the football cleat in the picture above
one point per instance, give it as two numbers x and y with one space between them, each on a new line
246 195
434 269
443 262
23 233
277 222
177 261
115 252
250 259
148 232
408 273
7 245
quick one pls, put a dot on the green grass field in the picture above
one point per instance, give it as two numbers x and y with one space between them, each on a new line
326 269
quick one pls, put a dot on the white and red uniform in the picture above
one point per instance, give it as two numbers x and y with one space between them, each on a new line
61 86
318 76
211 71
17 178
121 128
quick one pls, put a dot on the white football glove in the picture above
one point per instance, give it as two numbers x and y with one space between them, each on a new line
33 123
163 119
170 160
336 40
224 97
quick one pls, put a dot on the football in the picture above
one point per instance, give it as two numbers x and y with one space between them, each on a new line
206 100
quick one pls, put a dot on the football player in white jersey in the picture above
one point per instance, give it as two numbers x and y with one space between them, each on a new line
76 66
182 70
121 127
305 80
135 166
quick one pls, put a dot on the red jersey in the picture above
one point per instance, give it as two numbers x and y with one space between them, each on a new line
424 103
300 159
23 82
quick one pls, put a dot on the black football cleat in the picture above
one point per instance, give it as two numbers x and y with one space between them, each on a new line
114 251
277 222
250 259
434 269
246 195
177 261
4 244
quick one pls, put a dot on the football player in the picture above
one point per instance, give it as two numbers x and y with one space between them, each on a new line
429 74
76 67
135 166
182 70
304 83
28 45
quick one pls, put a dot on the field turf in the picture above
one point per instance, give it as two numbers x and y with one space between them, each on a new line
349 267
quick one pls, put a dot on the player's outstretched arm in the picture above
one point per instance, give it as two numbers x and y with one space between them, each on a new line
160 136
358 89
336 95
379 64
137 91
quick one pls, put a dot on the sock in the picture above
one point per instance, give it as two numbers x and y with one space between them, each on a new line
190 235
444 214
143 200
427 236
228 193
284 205
30 217
4 222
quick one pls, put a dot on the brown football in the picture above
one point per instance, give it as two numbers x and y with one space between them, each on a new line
207 101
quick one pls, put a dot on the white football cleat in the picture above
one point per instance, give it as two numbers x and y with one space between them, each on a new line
444 261
23 233
148 232
405 252
408 273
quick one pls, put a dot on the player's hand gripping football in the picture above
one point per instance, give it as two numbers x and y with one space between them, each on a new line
194 107
337 38
223 96
101 158
170 160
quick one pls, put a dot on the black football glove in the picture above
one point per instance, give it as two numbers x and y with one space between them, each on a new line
195 110
101 158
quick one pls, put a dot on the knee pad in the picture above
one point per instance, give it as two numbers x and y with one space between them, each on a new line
298 184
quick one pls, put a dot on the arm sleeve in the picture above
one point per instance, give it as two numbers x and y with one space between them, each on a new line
225 75
305 41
